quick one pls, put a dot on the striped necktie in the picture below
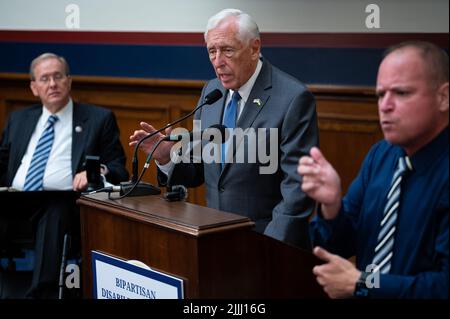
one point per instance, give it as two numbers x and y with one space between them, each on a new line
385 240
229 120
34 180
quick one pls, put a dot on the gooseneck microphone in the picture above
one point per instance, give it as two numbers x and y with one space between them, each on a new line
130 188
211 98
176 192
215 133
219 128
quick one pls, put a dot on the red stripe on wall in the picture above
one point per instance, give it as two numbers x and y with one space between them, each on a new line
94 37
316 40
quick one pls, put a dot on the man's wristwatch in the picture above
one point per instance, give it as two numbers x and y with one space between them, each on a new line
361 289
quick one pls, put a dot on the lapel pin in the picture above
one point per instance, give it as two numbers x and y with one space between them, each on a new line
78 129
257 101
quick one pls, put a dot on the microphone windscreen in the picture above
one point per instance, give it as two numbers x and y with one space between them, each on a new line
213 96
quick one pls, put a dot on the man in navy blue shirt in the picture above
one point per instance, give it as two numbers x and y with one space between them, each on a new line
394 218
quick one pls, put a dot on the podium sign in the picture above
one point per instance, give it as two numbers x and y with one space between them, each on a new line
114 278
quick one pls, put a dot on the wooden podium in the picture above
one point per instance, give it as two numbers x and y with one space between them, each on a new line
216 253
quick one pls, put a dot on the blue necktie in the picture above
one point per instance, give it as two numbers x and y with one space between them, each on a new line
385 240
34 180
229 120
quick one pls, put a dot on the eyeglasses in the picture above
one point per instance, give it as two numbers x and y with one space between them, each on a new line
227 51
57 77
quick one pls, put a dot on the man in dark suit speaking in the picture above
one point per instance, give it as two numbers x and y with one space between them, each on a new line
258 98
46 145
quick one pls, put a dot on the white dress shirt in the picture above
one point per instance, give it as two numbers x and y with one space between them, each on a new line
58 172
244 92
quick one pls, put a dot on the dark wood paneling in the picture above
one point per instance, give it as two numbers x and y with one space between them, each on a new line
348 124
348 118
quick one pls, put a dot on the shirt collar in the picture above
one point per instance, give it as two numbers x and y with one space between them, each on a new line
63 114
245 90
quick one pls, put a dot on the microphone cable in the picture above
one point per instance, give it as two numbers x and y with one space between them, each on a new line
144 169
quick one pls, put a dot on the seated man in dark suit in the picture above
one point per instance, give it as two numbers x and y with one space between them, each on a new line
46 146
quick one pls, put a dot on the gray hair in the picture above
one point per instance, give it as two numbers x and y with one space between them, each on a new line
45 56
247 27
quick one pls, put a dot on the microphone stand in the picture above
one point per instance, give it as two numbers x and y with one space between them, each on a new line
133 187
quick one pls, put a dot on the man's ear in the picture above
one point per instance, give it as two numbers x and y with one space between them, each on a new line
69 78
443 97
33 88
256 48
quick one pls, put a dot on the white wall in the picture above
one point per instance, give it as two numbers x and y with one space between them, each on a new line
191 15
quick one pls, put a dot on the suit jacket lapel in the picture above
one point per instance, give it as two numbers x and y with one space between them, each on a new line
257 99
24 136
212 114
80 133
